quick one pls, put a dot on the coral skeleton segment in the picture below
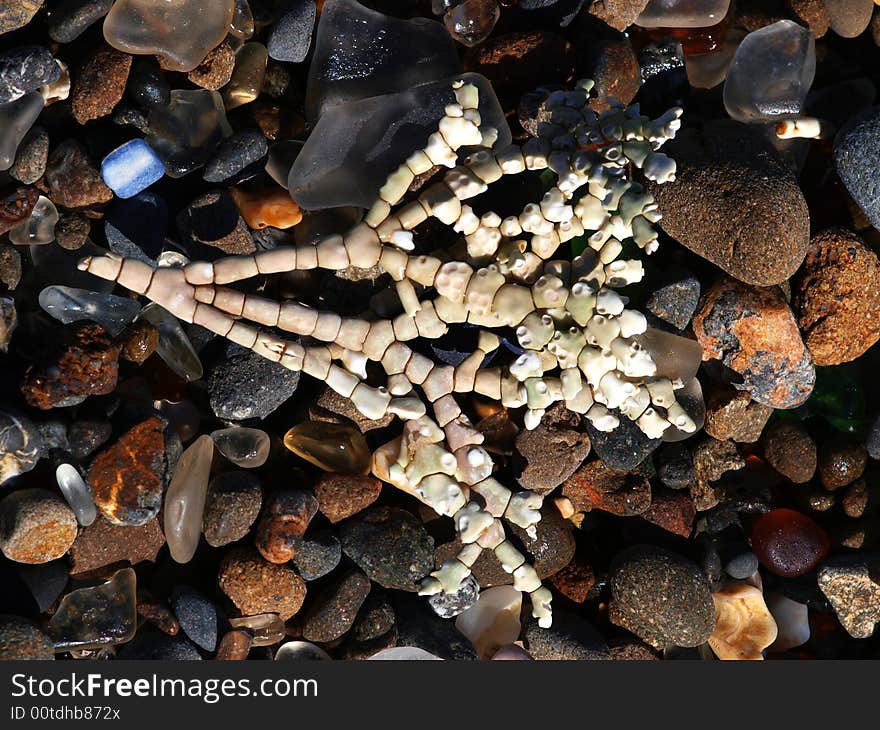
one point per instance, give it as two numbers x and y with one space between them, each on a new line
580 342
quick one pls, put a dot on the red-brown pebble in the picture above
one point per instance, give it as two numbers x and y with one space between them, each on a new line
596 486
576 580
788 543
343 495
100 85
103 544
16 206
257 586
160 616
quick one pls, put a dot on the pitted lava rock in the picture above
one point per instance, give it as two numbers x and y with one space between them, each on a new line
85 362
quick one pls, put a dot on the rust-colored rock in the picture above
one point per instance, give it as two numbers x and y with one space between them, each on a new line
104 544
158 614
837 297
36 526
16 206
673 511
576 580
286 516
712 460
127 478
343 495
264 208
100 84
790 450
613 67
256 586
752 331
235 645
732 414
813 13
85 362
619 14
595 486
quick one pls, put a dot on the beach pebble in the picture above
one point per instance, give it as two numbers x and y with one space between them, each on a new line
286 516
675 301
159 647
619 14
291 36
257 586
69 19
197 616
790 450
31 157
735 203
233 503
390 546
15 14
856 156
102 544
788 543
245 385
841 462
334 611
216 70
36 526
25 69
493 621
21 639
732 415
571 638
100 84
837 297
848 582
661 597
552 450
236 154
753 333
342 495
317 554
73 179
849 18
213 219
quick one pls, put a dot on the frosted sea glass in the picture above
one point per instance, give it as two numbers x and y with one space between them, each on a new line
244 447
771 73
179 32
174 346
39 228
186 132
185 499
16 119
683 13
351 152
67 305
361 53
77 494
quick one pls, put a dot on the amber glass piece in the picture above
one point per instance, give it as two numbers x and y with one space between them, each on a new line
330 446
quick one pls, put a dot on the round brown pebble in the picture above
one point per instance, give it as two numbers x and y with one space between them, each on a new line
841 462
72 230
552 451
855 499
74 181
813 13
36 526
735 202
752 332
790 450
100 84
31 157
257 586
286 516
21 639
619 14
614 69
788 543
837 297
139 342
215 71
343 495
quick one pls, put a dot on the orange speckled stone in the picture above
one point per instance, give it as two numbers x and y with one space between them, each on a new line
788 543
36 526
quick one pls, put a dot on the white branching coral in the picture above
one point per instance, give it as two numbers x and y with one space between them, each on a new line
580 343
